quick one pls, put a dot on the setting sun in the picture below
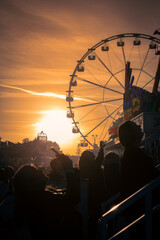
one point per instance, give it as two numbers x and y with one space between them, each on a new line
57 127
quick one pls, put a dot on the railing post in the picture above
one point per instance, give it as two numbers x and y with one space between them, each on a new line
104 230
148 215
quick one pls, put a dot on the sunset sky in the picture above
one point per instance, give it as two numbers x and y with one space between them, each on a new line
40 44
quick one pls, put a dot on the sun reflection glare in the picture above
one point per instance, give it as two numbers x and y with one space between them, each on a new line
57 127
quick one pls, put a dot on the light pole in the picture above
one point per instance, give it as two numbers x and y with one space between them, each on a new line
78 152
94 137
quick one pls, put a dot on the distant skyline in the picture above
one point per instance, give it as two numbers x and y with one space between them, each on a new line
40 44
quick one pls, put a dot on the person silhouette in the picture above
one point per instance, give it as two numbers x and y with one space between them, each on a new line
90 169
137 170
137 167
111 172
42 213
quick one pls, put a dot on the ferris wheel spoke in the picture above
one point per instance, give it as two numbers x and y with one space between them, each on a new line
150 61
110 89
148 82
88 113
94 76
109 60
110 124
109 71
91 120
139 55
92 104
124 57
137 69
148 74
108 112
86 99
142 66
103 120
112 76
118 58
130 53
103 130
108 81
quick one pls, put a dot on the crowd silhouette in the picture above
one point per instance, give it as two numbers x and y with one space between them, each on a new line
66 203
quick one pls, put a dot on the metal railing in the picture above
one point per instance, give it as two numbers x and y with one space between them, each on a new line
146 192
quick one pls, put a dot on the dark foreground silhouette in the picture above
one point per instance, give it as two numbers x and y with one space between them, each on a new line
66 203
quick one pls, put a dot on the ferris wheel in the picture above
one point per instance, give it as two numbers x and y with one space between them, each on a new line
97 89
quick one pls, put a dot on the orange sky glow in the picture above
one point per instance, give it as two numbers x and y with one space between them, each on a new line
40 44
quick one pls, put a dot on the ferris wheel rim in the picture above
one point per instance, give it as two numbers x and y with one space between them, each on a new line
115 37
93 48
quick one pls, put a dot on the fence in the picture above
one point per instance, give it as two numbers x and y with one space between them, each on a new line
146 192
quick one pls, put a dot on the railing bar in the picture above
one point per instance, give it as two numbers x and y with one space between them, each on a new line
148 188
133 198
109 201
128 227
157 207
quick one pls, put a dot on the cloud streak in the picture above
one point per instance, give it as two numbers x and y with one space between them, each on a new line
45 94
21 22
49 94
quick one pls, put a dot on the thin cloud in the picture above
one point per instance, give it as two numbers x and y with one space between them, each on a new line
47 94
21 22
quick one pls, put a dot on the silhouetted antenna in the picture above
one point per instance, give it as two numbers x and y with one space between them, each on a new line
157 31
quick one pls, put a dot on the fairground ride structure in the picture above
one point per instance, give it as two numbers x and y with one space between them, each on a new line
115 80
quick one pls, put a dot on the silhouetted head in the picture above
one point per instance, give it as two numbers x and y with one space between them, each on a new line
86 163
130 134
6 174
9 171
56 165
111 158
66 162
28 179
